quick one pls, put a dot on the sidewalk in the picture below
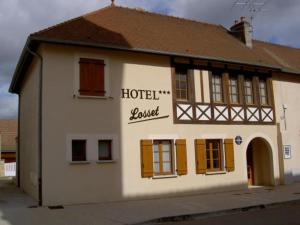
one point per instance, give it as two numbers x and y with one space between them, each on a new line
14 207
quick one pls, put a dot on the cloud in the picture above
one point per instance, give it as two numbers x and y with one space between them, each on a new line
8 104
278 20
18 18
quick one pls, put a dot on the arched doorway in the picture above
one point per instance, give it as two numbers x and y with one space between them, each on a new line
259 163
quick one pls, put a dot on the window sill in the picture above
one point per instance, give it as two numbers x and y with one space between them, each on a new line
93 97
105 161
165 176
215 172
79 162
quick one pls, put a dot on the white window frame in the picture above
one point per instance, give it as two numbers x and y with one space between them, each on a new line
172 138
114 147
92 147
76 83
70 138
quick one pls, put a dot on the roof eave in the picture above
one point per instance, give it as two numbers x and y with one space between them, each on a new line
34 41
114 47
21 66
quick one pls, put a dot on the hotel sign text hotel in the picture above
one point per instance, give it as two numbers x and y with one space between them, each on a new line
141 115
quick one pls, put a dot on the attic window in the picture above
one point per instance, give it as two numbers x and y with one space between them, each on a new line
92 77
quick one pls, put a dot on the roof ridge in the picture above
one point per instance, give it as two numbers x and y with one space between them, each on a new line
279 45
165 15
71 20
128 8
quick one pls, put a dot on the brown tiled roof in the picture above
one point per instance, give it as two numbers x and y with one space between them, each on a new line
8 133
137 29
287 58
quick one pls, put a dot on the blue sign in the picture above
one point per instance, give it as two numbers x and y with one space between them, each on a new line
238 140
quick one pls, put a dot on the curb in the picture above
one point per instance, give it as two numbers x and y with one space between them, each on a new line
188 217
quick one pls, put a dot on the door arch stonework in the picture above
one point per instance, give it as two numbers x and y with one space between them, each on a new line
259 161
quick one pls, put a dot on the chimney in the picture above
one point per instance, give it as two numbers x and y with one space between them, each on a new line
242 31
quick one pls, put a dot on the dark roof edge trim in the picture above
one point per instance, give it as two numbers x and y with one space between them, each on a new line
114 47
32 39
20 66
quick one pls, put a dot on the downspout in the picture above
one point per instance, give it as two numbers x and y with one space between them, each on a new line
40 110
18 144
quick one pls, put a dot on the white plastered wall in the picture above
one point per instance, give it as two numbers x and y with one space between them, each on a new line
29 131
66 114
287 95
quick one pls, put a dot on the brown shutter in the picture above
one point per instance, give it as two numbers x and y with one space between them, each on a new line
146 158
84 88
270 91
200 153
99 78
92 77
229 154
181 157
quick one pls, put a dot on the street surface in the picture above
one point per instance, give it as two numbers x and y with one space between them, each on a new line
286 214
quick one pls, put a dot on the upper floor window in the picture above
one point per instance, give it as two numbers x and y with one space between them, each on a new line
217 90
92 77
248 91
233 90
182 84
263 94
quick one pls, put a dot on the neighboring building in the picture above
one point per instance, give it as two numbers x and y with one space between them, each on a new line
122 104
8 135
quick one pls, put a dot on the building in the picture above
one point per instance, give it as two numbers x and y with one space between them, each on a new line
123 104
8 135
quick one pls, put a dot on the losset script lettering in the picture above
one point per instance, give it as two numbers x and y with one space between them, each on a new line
137 114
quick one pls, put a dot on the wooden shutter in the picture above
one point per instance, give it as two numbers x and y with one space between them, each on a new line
84 80
92 77
200 153
146 158
99 78
181 157
229 154
270 96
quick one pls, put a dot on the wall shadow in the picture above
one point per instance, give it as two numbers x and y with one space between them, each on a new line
260 162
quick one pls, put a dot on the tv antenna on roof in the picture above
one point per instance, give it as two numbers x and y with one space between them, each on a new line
253 6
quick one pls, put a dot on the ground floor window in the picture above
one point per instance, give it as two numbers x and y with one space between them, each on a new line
162 157
78 150
104 150
213 154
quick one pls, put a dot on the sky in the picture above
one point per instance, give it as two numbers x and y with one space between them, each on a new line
278 21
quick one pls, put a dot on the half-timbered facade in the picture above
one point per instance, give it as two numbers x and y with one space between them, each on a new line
233 96
122 104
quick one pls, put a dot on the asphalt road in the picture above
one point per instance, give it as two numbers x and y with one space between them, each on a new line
285 214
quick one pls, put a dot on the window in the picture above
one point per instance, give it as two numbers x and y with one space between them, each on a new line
217 88
263 96
92 77
78 150
181 84
162 157
233 90
210 156
213 155
104 150
157 157
248 91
